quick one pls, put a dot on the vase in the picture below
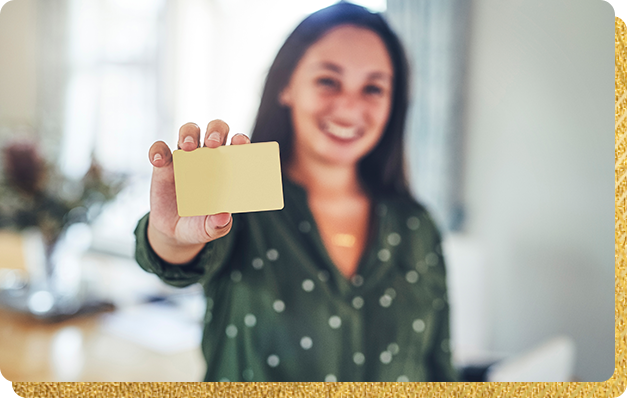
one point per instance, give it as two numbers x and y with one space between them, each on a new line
54 288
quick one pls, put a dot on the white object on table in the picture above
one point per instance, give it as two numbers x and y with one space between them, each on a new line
552 361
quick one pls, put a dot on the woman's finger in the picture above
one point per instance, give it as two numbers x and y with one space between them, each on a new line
240 139
216 133
159 154
189 137
218 225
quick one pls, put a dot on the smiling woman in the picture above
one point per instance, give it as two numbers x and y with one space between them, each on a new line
340 98
347 282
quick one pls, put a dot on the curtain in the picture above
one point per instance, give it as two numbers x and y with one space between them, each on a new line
51 47
435 34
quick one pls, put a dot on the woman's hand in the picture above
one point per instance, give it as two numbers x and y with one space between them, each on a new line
175 239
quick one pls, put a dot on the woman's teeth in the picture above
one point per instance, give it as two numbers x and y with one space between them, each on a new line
345 133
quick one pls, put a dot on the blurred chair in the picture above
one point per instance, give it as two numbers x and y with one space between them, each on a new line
551 361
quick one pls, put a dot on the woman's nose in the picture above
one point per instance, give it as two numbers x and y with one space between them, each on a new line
349 108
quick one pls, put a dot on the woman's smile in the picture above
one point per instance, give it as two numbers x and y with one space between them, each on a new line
344 134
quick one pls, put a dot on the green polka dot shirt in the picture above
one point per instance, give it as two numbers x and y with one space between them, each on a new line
279 310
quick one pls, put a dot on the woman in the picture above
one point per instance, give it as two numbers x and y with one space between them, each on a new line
347 282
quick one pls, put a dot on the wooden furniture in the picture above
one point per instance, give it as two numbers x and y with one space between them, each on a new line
81 348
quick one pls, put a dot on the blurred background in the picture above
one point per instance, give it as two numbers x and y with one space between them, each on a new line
510 146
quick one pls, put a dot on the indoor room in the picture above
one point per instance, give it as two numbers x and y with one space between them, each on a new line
508 145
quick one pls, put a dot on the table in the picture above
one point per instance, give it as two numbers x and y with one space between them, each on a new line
81 349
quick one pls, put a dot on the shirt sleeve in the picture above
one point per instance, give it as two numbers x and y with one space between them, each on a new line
206 264
440 358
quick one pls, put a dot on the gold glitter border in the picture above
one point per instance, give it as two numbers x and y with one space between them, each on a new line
613 387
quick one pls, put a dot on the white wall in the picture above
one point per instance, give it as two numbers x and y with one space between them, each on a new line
539 173
17 63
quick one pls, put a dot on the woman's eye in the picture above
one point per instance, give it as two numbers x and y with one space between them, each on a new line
327 82
373 90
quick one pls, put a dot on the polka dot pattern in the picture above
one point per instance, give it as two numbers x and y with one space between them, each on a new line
306 342
278 306
394 239
385 301
401 241
411 276
308 285
413 223
431 259
357 280
419 325
273 361
304 227
248 374
384 255
359 358
357 302
236 276
422 267
257 263
335 322
272 255
250 320
231 331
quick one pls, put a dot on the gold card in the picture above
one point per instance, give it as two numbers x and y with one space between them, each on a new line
232 179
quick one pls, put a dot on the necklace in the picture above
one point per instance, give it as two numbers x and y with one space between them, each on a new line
344 240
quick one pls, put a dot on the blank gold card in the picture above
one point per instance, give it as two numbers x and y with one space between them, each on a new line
232 179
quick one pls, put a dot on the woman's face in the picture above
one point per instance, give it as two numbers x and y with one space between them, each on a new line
340 96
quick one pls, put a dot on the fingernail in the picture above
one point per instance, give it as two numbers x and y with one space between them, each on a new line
189 138
157 157
215 136
222 225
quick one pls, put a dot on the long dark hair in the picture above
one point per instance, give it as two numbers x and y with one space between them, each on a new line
382 171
